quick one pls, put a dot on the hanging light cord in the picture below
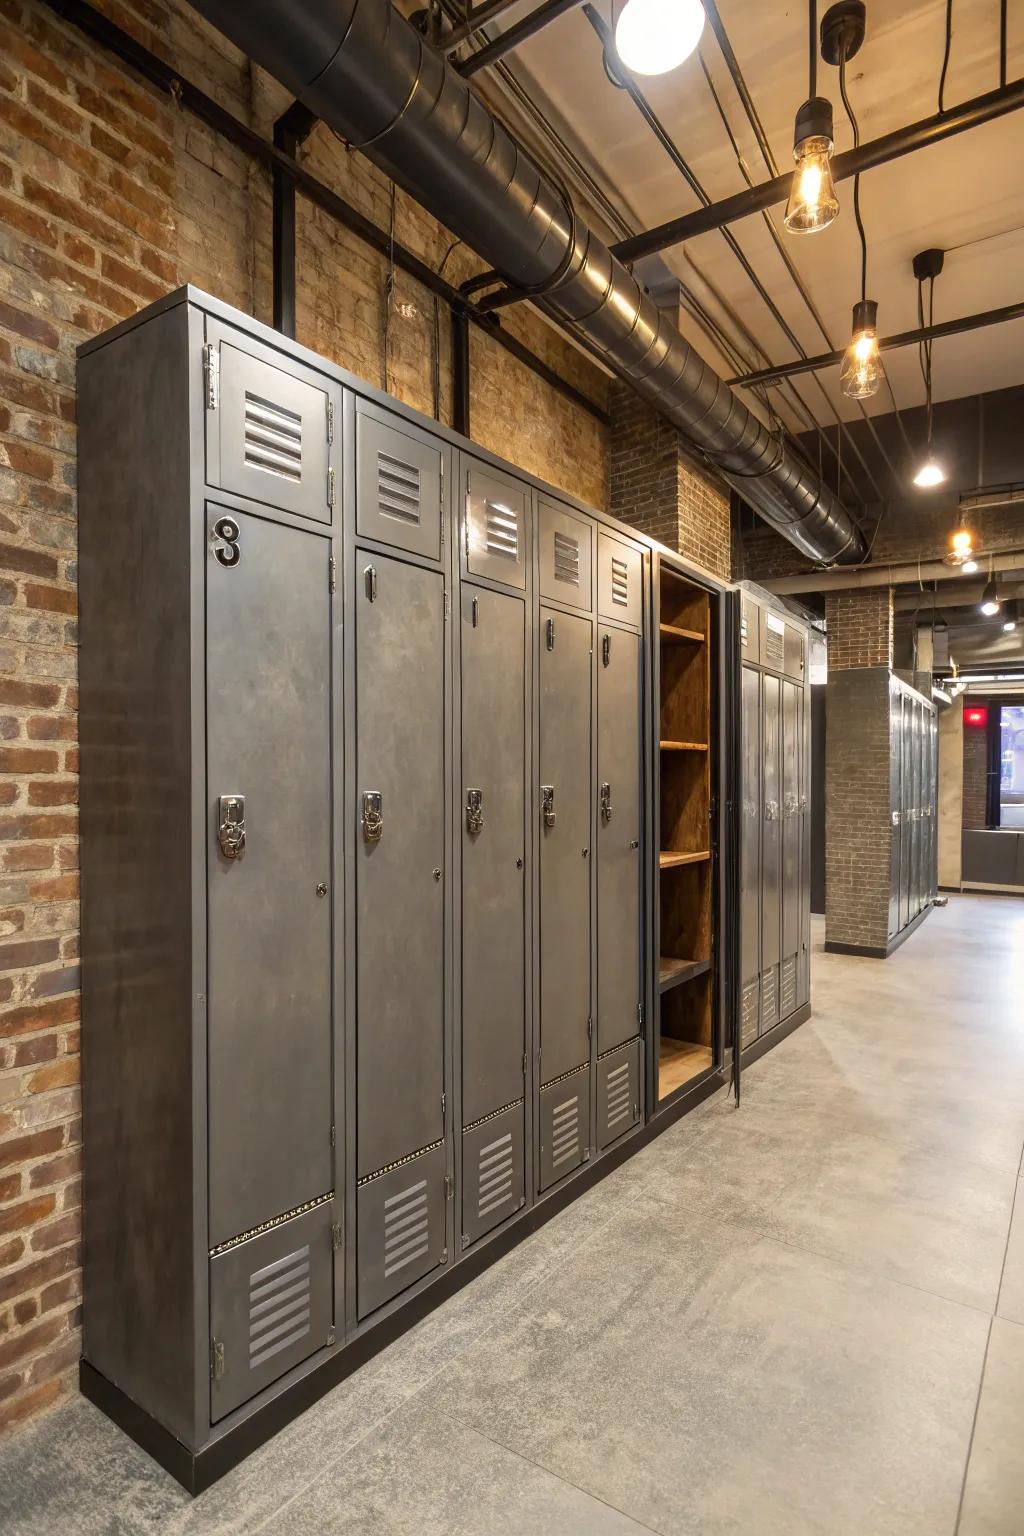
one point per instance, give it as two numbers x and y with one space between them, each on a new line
856 181
945 56
925 348
812 73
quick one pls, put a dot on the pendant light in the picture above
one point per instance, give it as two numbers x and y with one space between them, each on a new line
654 36
812 201
927 266
862 365
1010 617
990 596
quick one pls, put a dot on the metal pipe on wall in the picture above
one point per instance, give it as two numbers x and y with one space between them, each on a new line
364 69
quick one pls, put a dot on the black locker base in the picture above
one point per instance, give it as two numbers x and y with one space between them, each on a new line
198 1470
773 1036
881 951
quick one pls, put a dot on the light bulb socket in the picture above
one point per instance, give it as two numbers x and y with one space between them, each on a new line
865 316
814 121
842 30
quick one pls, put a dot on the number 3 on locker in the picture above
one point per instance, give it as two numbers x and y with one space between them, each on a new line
224 540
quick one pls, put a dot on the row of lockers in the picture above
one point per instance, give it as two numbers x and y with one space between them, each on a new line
913 749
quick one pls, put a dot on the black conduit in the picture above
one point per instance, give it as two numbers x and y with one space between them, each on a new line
368 73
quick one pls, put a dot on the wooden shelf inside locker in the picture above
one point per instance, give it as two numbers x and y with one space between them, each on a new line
674 634
683 746
680 1062
668 860
672 972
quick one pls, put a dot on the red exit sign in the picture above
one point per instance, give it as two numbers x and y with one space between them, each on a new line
977 714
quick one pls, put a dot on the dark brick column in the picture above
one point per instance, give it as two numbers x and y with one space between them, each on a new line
858 827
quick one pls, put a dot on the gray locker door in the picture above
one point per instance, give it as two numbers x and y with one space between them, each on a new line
619 581
795 652
399 484
750 629
565 716
792 695
566 554
804 982
269 437
497 527
750 853
400 732
895 801
915 874
493 850
771 850
268 667
618 837
906 817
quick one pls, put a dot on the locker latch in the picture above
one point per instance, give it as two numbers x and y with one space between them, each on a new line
373 818
547 792
551 634
606 650
216 1360
606 802
231 826
370 578
474 810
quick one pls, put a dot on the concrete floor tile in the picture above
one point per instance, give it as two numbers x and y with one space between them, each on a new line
705 1380
1011 1292
423 1474
994 1489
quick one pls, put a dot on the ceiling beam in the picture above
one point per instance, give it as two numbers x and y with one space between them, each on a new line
853 162
542 17
885 343
882 575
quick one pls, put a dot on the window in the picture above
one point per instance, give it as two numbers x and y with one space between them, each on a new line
1011 766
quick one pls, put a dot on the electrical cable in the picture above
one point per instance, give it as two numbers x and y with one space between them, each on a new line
856 180
812 73
389 291
436 371
1002 41
946 54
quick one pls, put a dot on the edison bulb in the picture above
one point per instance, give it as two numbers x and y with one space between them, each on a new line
812 201
932 473
862 366
654 36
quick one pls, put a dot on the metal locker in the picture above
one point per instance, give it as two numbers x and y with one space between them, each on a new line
750 629
895 800
493 811
916 827
773 640
771 849
401 1228
564 1123
399 483
792 698
270 425
493 1176
268 670
750 851
270 1306
906 810
399 842
565 555
497 526
618 1093
619 580
618 838
804 974
794 654
565 827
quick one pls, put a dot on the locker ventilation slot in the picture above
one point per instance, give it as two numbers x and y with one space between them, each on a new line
406 1227
398 488
494 1167
619 1098
768 997
620 583
278 1306
565 1131
502 531
749 1025
787 992
567 559
273 438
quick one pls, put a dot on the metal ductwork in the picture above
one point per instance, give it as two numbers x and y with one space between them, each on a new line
362 68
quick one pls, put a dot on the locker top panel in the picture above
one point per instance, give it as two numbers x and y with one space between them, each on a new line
565 542
750 629
400 482
773 640
795 651
619 580
496 524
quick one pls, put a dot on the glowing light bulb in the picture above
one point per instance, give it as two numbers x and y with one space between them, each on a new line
862 368
654 36
969 567
812 201
932 473
990 600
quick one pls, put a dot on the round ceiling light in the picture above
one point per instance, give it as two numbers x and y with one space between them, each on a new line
931 473
654 36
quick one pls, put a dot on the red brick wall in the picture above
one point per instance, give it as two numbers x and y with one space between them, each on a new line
975 803
110 196
859 626
858 829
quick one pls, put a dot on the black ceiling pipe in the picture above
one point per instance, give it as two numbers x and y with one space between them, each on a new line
367 72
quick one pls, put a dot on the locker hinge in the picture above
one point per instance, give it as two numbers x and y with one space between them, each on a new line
447 604
449 1186
216 1360
330 486
333 1136
444 1102
640 1014
336 1237
330 420
442 497
525 1063
590 1029
211 375
332 575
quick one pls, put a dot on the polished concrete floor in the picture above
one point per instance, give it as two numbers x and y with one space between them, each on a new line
803 1316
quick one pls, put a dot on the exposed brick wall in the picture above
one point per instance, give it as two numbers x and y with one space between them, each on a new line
975 776
858 831
110 196
859 628
656 489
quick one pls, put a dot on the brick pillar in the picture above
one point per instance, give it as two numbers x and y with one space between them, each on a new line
858 827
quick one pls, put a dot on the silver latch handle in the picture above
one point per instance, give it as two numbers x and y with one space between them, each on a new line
548 804
606 802
474 811
231 825
373 817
